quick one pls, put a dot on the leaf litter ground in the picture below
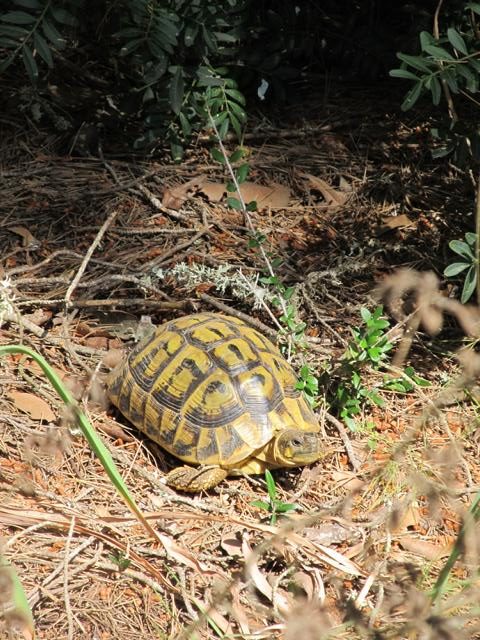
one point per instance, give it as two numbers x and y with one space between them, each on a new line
365 546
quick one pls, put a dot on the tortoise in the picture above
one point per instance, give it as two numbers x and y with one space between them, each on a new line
217 394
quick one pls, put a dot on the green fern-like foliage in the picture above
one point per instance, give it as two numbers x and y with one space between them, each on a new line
32 30
161 47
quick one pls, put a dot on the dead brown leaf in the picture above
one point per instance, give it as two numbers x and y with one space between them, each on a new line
231 544
272 196
214 191
33 405
332 196
428 550
174 197
29 240
389 223
260 581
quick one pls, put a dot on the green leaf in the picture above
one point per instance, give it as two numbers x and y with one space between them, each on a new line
236 126
436 90
426 39
51 33
455 268
271 488
13 32
284 507
261 504
471 238
403 73
176 149
185 124
63 16
93 439
217 155
252 205
238 111
237 155
177 89
15 600
417 62
234 203
191 32
30 64
18 17
439 53
43 49
457 41
412 97
365 314
242 173
461 248
236 95
451 78
223 130
470 77
220 118
131 46
473 6
28 4
469 285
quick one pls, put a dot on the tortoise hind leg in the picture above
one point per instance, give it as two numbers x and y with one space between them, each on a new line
192 480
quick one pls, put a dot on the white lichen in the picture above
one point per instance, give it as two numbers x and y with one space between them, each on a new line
7 298
225 278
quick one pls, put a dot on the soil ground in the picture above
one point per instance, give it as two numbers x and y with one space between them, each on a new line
376 518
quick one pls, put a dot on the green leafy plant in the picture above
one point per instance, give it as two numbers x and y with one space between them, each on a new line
451 58
273 505
448 65
466 250
308 383
369 346
405 383
33 32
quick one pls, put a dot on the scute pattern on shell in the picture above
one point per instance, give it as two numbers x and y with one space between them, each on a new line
209 389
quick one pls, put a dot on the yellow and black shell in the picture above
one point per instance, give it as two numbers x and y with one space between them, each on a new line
209 389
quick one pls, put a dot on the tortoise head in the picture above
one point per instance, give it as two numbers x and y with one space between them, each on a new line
294 447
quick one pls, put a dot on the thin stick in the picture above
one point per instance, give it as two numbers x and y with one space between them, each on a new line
346 442
88 255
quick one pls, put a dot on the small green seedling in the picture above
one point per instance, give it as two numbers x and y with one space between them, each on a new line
466 250
406 383
274 506
370 344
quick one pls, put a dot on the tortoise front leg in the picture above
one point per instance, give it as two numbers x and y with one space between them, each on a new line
192 479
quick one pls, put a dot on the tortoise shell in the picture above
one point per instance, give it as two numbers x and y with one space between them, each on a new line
210 390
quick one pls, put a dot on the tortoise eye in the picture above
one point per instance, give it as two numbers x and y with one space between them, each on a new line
296 442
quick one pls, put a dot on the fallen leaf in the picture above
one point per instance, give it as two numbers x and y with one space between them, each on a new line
214 191
428 550
332 196
31 404
182 555
174 197
29 240
404 518
260 581
389 223
231 544
348 480
272 196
